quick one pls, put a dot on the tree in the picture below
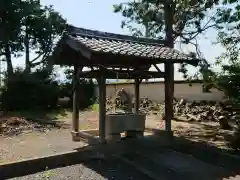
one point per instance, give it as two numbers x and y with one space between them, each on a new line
86 88
28 26
36 90
228 20
190 19
11 13
41 26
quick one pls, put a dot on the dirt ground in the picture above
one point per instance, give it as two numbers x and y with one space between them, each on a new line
56 140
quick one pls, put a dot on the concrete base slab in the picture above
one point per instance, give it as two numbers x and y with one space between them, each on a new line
91 136
113 138
75 137
87 136
160 132
134 134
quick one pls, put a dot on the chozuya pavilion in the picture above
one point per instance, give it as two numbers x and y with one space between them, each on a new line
111 56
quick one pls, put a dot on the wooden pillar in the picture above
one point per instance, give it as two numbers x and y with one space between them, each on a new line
102 108
137 96
134 133
169 66
169 93
75 113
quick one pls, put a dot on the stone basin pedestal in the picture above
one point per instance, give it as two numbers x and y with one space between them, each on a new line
132 124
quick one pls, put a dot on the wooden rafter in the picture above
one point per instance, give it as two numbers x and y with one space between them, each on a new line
157 68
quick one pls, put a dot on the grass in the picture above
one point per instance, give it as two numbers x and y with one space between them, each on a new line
94 107
47 174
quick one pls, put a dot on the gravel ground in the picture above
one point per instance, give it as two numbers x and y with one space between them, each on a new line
36 144
92 170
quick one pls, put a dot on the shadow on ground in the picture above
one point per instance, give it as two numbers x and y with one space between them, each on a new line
181 159
153 155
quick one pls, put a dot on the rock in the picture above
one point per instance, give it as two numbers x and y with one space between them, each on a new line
16 121
223 121
191 111
235 139
193 118
163 116
182 102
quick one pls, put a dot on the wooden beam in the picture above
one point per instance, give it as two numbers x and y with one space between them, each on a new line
108 59
122 74
137 96
75 113
102 108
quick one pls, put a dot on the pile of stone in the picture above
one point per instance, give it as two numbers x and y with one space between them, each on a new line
149 107
124 101
197 111
225 113
222 112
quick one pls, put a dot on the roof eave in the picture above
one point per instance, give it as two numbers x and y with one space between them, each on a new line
74 44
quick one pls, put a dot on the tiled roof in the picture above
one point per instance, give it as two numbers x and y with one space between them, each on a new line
116 44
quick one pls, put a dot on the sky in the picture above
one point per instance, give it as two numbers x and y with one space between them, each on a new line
98 15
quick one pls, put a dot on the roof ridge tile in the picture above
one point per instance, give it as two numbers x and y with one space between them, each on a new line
72 30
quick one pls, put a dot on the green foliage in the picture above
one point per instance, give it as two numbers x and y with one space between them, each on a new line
31 91
41 27
87 93
95 107
27 26
11 14
188 17
229 81
86 88
228 20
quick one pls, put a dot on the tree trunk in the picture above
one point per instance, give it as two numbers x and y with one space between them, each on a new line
49 65
27 54
8 60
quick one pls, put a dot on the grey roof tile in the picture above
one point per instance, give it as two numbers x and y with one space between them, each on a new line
97 41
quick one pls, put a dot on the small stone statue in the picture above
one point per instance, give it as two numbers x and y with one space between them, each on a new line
124 100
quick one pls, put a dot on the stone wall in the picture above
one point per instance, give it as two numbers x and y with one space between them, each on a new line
155 91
